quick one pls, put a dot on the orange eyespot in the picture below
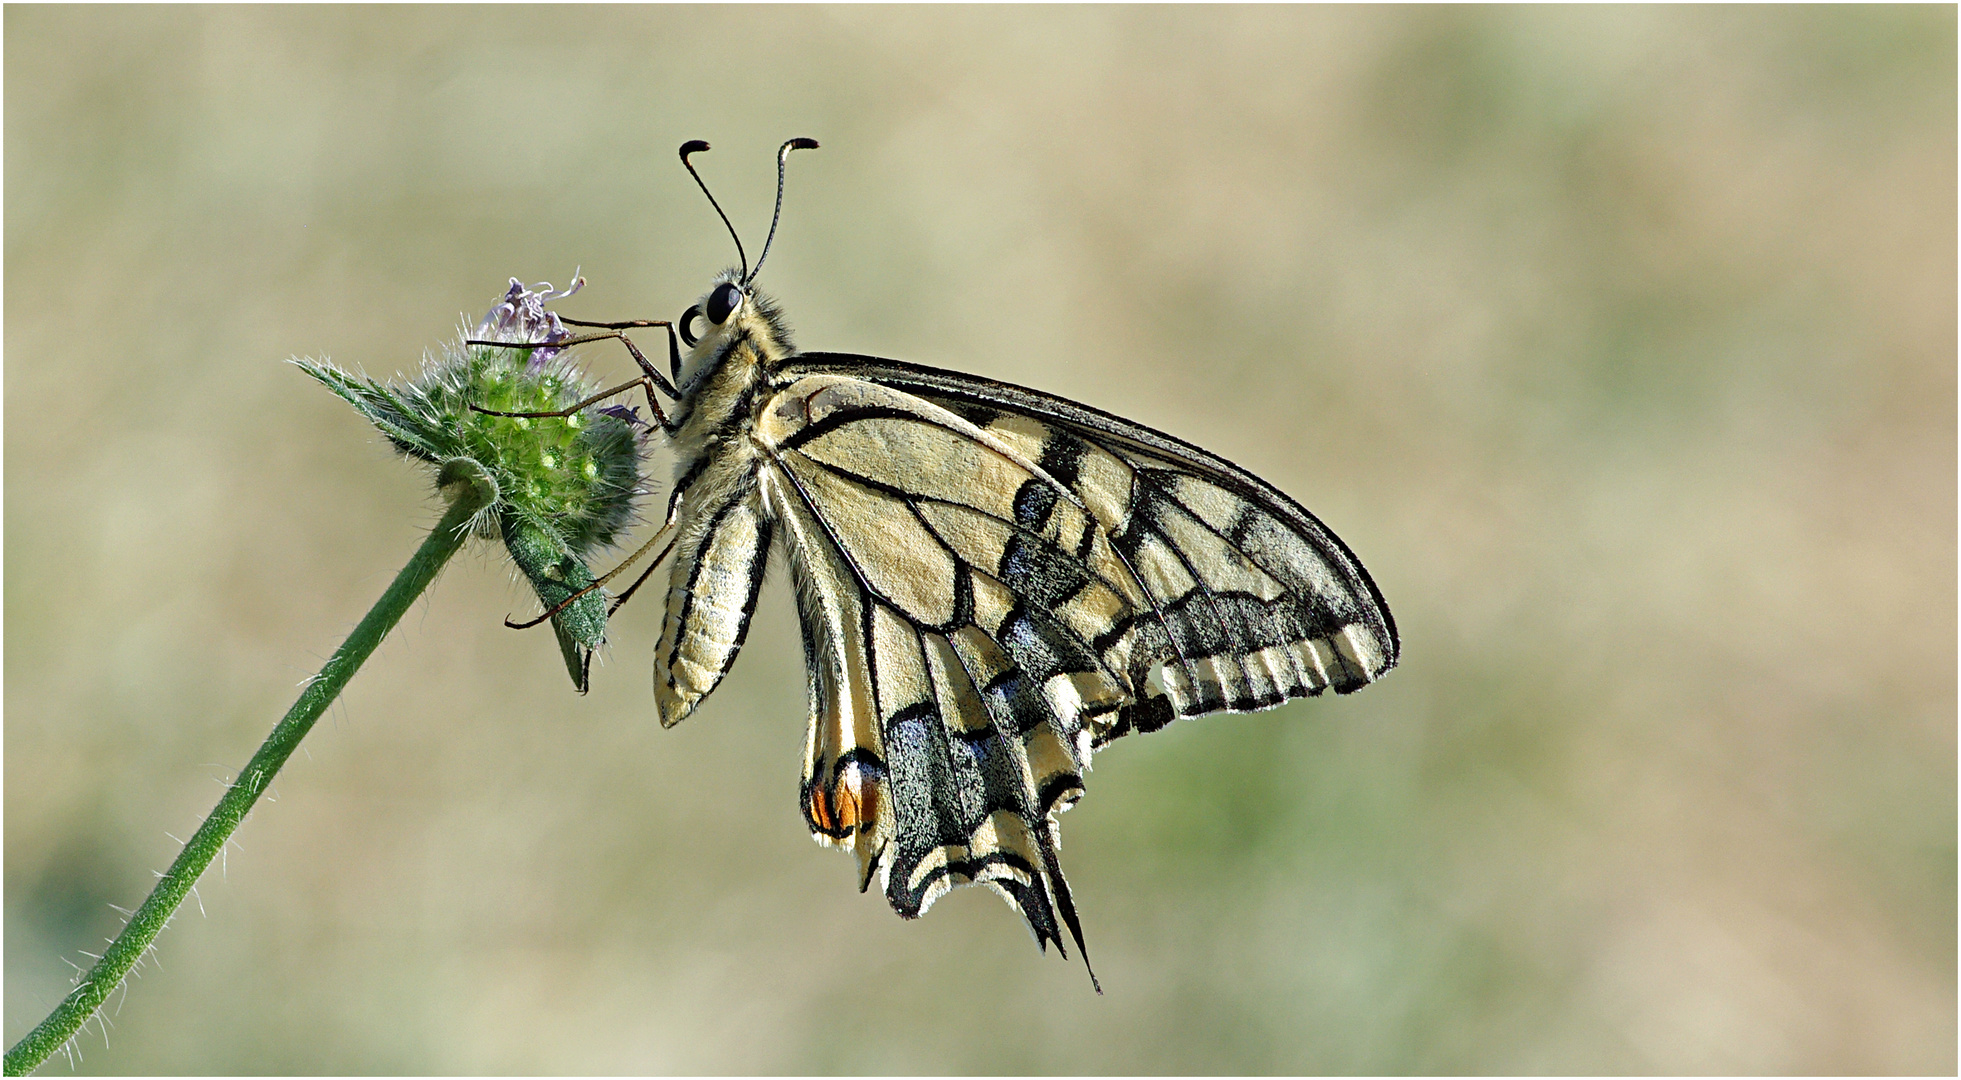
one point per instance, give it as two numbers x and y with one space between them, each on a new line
820 810
857 801
848 802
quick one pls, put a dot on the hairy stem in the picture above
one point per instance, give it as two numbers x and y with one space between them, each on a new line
141 930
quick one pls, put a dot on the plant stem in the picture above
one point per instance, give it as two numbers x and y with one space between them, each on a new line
80 1004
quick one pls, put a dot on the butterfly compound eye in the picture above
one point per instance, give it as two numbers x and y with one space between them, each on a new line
723 302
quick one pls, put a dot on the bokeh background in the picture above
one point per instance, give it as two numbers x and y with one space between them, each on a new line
1619 342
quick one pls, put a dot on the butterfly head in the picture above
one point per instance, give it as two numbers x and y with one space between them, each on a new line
716 313
731 317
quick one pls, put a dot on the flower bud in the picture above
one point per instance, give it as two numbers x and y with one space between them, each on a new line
567 486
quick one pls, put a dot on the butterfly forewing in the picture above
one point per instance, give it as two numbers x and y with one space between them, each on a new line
1238 598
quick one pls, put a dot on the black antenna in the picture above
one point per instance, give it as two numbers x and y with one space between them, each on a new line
782 158
696 146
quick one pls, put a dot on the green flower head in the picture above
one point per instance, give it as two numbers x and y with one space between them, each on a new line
565 486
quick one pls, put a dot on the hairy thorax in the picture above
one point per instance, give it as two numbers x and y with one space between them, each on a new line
716 452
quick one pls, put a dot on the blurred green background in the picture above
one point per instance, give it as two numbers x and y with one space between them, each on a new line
1619 342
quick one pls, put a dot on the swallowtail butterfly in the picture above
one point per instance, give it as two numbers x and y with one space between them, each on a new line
993 584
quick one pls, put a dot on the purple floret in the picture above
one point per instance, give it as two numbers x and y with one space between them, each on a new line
520 318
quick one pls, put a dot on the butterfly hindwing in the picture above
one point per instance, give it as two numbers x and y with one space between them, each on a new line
951 691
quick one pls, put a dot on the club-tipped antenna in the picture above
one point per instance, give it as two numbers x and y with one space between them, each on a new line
696 146
782 159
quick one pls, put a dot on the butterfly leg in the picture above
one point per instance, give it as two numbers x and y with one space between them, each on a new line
620 600
673 345
666 534
649 381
